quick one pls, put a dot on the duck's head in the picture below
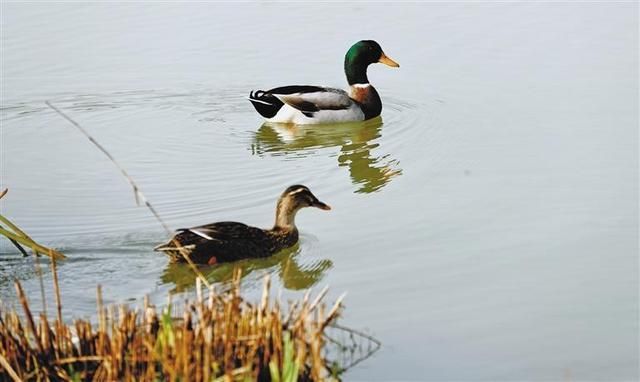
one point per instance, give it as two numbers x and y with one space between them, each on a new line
291 201
360 56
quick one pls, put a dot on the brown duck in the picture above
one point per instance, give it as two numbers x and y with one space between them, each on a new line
230 241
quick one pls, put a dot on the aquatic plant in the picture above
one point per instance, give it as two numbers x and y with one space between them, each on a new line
19 238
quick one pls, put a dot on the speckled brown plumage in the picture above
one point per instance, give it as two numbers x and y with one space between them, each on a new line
231 241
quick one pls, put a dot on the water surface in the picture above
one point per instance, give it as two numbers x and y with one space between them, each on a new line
485 227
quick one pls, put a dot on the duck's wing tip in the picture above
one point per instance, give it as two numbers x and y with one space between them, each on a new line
265 103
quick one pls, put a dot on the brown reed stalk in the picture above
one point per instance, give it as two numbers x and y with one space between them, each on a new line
56 289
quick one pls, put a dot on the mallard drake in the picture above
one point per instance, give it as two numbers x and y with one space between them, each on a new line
230 241
302 104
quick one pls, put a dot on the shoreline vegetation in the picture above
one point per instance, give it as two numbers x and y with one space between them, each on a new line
219 337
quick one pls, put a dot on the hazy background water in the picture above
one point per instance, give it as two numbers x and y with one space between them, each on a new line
487 229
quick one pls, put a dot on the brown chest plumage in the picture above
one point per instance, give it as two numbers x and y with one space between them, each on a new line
368 98
360 93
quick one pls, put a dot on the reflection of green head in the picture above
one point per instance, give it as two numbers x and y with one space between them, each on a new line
360 56
370 168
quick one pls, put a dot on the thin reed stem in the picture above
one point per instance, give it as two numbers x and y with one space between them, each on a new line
137 192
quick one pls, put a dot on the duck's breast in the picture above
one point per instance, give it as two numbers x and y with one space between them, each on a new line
368 98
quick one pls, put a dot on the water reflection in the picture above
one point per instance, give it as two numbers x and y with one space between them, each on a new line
285 264
369 171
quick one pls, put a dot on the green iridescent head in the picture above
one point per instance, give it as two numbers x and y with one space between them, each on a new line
360 56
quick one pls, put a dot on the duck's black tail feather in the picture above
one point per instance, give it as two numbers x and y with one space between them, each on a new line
265 103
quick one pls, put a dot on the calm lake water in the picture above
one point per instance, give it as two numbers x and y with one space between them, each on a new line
485 229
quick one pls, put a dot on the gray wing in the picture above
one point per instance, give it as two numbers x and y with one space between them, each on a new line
321 99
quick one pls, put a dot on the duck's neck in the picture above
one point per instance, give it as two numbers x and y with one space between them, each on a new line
356 72
285 216
360 89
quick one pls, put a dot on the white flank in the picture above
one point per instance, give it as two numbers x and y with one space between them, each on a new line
288 114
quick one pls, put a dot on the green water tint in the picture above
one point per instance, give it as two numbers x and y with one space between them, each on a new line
369 171
285 264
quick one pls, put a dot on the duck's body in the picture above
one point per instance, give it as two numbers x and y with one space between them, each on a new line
228 241
231 241
304 104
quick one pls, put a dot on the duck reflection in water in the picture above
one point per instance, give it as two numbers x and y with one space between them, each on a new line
292 274
369 172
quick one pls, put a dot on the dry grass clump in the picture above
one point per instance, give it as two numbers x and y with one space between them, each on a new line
218 337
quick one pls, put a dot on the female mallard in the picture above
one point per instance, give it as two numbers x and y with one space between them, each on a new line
302 104
229 241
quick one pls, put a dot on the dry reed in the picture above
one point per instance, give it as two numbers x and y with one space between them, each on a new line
218 337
